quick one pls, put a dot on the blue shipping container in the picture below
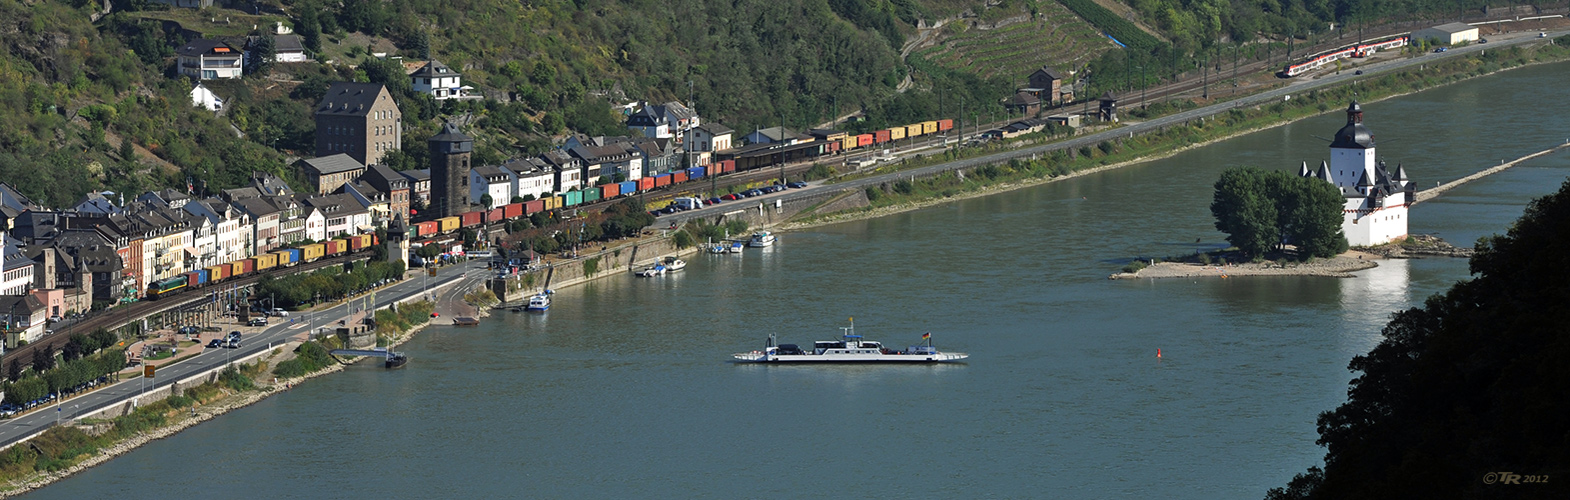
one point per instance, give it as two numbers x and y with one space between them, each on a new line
294 255
695 172
201 276
629 187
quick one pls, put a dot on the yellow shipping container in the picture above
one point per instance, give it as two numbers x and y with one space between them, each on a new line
913 130
449 224
266 261
848 143
929 127
552 203
236 268
896 133
311 252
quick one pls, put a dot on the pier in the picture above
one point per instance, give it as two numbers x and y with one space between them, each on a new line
1427 194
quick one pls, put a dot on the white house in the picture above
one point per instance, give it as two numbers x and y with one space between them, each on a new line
202 97
491 180
1375 212
1447 34
18 269
204 59
438 80
709 137
531 177
315 224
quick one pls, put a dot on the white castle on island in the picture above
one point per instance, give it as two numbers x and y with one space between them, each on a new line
1375 212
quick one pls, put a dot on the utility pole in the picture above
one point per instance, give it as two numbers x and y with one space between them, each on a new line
1206 72
1143 85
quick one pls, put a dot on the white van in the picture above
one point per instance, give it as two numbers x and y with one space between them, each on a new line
687 203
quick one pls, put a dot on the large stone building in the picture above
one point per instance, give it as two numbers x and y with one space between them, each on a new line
450 152
1375 212
360 120
326 174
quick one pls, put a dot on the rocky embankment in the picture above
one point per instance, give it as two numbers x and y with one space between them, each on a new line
1419 246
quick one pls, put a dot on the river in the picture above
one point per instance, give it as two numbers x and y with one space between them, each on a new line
624 390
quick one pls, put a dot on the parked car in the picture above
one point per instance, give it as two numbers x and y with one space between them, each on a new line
1358 72
233 344
753 192
712 201
234 335
189 330
796 185
279 312
257 322
1482 40
1441 49
731 197
1542 35
214 343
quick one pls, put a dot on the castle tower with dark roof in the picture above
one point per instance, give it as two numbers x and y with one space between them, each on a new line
1375 211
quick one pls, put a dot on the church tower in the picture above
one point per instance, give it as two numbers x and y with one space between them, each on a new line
450 152
1375 211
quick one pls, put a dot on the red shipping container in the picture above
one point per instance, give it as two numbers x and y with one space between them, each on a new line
945 124
863 140
494 215
512 211
533 207
662 180
679 177
730 165
191 279
645 183
428 228
248 266
880 136
471 219
609 191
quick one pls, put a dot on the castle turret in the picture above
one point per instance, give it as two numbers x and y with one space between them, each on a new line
450 152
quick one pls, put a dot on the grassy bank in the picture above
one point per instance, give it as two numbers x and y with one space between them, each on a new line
909 193
63 447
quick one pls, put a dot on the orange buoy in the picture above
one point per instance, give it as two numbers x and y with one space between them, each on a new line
1158 353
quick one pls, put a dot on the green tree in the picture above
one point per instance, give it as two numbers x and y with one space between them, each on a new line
261 57
1244 210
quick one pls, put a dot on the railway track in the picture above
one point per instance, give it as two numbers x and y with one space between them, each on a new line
117 318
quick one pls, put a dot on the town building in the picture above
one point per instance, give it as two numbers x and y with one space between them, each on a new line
340 214
1447 34
24 319
12 204
206 59
419 187
18 269
1375 211
326 174
491 180
438 81
395 184
1022 103
534 178
204 98
286 48
775 135
450 152
1046 83
360 120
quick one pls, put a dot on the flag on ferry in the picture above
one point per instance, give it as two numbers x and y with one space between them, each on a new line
927 335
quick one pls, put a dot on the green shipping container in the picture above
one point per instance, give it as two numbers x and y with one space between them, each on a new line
591 194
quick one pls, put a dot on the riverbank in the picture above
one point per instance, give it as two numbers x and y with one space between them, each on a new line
1064 163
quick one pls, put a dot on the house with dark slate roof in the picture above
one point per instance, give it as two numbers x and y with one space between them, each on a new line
438 80
327 174
205 59
358 119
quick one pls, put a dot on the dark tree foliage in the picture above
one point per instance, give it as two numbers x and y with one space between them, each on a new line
43 358
1262 210
1472 382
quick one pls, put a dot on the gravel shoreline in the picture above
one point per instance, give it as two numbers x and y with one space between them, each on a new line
1340 266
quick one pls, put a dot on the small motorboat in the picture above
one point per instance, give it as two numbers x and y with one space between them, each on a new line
761 239
538 303
673 264
737 246
650 272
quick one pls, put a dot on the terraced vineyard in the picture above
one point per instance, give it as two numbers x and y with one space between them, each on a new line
1057 38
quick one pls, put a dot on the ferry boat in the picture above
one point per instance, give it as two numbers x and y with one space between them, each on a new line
761 239
851 348
540 302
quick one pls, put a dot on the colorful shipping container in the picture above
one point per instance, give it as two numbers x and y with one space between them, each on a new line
848 143
662 180
449 224
913 130
678 177
218 272
194 278
882 136
534 207
627 188
945 124
266 261
471 219
591 194
311 252
495 215
512 211
864 140
896 133
427 228
929 127
360 242
247 265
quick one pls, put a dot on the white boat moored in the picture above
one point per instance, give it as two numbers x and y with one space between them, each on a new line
761 239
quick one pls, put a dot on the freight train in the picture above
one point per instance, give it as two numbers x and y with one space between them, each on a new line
288 257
